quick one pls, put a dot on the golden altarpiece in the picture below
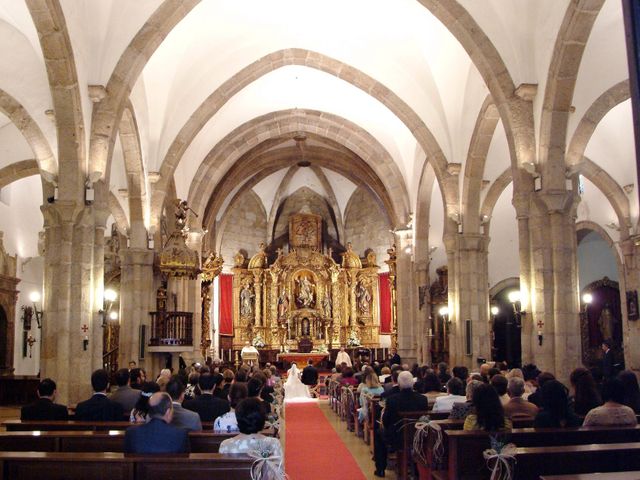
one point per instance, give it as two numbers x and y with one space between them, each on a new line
304 296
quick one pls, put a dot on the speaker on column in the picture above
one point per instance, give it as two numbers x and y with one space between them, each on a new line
467 332
143 341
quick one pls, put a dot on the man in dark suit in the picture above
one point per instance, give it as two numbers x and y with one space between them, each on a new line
126 396
310 374
394 358
44 408
405 401
182 417
207 405
157 436
99 407
608 371
391 387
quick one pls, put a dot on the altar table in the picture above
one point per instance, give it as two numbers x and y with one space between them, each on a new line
301 359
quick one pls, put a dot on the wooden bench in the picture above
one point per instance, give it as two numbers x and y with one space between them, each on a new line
118 466
465 447
63 425
595 476
92 441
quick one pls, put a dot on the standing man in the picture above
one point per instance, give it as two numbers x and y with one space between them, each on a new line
343 357
607 359
394 358
157 436
310 374
44 408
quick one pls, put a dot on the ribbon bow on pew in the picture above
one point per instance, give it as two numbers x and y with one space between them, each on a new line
266 465
425 427
500 461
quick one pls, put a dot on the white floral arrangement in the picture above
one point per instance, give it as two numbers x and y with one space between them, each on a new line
258 342
353 340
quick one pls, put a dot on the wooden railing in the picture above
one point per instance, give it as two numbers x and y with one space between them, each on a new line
171 329
110 361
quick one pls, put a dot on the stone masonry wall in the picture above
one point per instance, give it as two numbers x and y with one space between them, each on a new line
245 228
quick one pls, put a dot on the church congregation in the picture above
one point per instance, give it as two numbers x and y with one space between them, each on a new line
268 239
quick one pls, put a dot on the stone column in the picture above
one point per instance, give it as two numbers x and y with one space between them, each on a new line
521 203
423 313
137 295
406 297
453 330
631 282
472 293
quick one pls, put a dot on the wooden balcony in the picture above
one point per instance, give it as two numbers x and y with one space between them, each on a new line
170 331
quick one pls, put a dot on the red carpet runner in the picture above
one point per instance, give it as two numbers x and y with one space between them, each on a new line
313 448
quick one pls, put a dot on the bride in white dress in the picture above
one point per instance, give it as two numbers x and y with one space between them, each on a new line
293 387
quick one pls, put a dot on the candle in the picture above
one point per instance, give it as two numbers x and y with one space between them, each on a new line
431 332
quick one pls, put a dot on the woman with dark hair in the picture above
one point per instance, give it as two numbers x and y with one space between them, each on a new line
140 412
432 388
586 396
613 412
347 378
556 411
631 390
489 414
227 422
251 420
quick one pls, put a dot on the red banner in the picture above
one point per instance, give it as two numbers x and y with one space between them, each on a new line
385 303
225 303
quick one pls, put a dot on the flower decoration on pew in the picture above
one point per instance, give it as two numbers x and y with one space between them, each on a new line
425 427
267 464
500 458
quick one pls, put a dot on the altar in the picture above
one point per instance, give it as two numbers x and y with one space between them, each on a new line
301 359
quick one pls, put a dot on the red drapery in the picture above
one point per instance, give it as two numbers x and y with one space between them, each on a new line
385 303
225 312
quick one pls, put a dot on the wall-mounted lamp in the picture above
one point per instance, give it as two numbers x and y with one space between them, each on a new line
515 300
494 310
89 192
444 313
28 312
150 242
109 297
85 343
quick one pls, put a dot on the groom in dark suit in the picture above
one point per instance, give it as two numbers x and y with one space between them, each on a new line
157 436
310 374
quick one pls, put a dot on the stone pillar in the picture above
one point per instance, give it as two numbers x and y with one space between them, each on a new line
472 294
137 295
521 203
72 297
454 329
630 282
423 313
406 297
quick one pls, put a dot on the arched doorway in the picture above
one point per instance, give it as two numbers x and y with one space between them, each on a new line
506 326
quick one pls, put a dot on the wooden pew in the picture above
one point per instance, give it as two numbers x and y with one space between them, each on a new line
91 441
117 466
465 447
62 425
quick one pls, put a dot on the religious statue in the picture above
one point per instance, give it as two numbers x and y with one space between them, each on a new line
182 211
364 299
326 305
605 323
246 301
305 293
283 304
306 328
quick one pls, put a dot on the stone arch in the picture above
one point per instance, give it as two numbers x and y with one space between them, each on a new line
134 168
474 168
511 282
380 167
50 24
495 190
592 117
318 205
17 171
594 227
423 208
563 72
119 215
333 202
284 184
212 104
30 130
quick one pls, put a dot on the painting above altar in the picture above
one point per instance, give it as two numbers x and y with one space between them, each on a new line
304 296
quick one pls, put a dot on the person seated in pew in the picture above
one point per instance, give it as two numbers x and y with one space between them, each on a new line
613 412
405 401
536 396
126 396
500 383
385 372
99 407
44 407
228 423
391 387
460 410
518 405
631 390
140 412
137 377
489 413
556 411
182 417
157 436
455 393
371 387
462 373
251 421
206 405
585 393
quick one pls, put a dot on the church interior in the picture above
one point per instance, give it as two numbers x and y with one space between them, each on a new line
190 181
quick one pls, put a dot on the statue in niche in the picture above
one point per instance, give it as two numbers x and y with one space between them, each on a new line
605 323
305 293
246 300
326 305
283 304
363 296
306 330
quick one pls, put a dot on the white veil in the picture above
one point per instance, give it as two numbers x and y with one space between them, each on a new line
292 375
293 387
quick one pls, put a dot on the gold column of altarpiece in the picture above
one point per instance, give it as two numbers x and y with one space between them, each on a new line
305 295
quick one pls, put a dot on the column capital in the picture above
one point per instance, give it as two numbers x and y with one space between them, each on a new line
558 201
136 256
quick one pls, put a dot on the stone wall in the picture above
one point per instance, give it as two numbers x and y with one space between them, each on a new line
245 228
366 226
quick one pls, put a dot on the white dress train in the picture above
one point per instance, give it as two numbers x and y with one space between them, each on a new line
293 387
